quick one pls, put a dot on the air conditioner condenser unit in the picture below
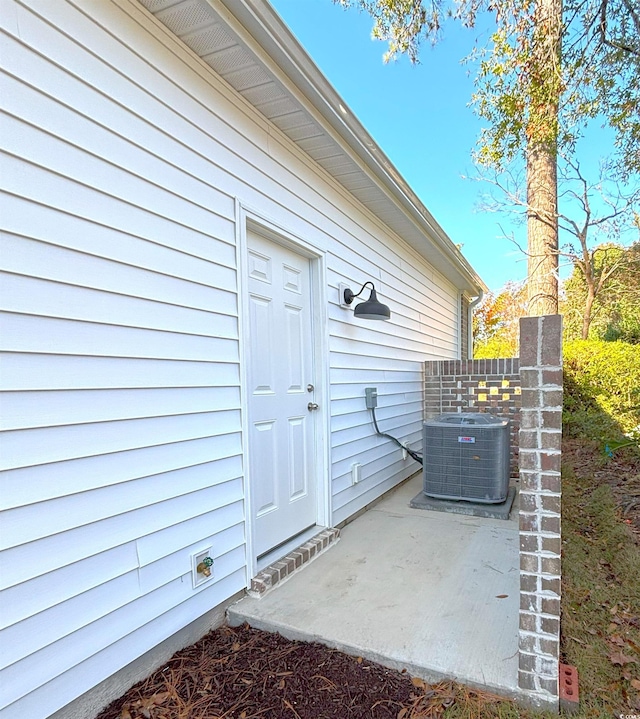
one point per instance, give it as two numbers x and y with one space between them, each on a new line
466 457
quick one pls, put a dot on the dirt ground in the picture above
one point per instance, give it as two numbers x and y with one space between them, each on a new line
244 673
621 472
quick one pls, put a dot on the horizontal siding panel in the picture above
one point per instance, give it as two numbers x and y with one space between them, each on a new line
26 410
115 653
16 564
387 389
342 322
223 528
350 434
349 405
166 106
354 434
194 531
38 112
355 411
25 448
159 249
76 166
416 333
28 524
347 503
27 295
373 445
362 336
25 333
23 371
381 348
20 641
40 186
47 481
365 363
407 321
346 421
69 651
344 373
421 334
200 286
46 590
95 111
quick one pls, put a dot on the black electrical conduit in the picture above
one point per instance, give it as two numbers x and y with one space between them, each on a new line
414 455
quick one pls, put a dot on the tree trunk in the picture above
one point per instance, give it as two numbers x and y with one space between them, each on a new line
586 316
542 231
542 164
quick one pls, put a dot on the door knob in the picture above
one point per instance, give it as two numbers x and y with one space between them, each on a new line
311 406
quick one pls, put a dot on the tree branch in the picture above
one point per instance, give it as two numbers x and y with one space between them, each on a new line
603 29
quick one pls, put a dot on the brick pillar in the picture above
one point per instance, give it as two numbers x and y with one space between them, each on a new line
540 540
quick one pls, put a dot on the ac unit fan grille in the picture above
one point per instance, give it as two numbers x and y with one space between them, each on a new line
466 462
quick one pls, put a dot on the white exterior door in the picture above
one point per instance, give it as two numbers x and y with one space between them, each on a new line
280 370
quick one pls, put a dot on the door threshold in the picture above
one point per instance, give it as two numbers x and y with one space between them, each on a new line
281 550
289 562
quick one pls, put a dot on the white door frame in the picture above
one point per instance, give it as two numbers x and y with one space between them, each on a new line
249 219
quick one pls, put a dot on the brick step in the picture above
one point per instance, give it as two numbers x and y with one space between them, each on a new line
268 578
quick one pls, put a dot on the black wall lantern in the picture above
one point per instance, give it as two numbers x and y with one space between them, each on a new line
371 309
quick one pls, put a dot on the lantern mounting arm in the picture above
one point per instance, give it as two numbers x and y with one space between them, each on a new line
349 296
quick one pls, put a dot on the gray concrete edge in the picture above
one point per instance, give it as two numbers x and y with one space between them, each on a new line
430 676
91 703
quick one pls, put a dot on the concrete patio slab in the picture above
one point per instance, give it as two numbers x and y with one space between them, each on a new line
436 594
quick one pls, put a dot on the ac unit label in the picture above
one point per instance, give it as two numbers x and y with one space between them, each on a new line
467 440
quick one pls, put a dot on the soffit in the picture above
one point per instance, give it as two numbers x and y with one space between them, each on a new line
224 33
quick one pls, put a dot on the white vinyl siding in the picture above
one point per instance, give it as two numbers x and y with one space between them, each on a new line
386 355
121 453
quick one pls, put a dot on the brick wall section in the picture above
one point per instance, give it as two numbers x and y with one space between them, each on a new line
540 539
482 385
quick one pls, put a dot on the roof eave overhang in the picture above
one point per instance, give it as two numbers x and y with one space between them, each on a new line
256 22
266 26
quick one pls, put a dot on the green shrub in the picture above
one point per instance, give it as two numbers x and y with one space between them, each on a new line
602 388
494 347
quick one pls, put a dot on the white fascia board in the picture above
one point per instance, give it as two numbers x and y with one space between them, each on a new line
267 28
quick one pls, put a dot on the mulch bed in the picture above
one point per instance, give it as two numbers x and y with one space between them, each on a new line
244 673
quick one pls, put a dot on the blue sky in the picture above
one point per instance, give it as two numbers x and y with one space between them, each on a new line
420 117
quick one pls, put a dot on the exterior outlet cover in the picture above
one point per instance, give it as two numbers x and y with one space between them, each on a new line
356 473
197 577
